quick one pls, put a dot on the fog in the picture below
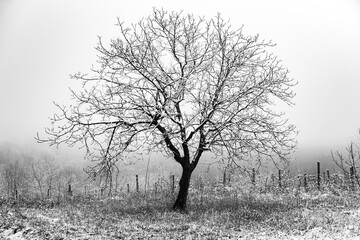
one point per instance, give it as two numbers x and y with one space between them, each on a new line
42 42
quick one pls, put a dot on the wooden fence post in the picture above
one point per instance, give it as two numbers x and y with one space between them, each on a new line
279 178
318 175
352 178
328 174
172 183
137 183
128 188
253 176
155 190
69 190
305 182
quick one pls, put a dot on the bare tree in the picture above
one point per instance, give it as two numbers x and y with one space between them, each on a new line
14 175
350 160
43 171
182 85
37 175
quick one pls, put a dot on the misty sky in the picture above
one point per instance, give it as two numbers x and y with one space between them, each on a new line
42 42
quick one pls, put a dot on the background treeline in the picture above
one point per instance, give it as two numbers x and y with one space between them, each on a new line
26 173
35 174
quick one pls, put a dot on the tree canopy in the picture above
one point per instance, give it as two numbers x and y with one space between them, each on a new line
183 85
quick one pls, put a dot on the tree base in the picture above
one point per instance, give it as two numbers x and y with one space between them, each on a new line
180 209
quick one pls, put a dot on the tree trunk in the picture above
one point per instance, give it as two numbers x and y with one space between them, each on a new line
180 203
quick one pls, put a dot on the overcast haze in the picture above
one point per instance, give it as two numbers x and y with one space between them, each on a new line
42 42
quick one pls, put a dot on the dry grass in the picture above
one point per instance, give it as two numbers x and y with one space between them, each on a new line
239 211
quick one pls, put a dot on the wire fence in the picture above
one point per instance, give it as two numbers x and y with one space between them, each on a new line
167 187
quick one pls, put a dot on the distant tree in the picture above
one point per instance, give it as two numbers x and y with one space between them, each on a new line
42 171
37 174
182 85
13 173
351 159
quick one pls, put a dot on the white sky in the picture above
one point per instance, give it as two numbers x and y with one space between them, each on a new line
43 41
